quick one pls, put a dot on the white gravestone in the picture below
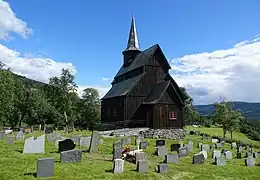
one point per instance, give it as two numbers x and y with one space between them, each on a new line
34 145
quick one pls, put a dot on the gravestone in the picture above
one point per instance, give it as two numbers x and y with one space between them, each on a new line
138 140
51 137
48 130
66 145
75 138
69 156
117 150
160 142
233 145
20 135
205 154
34 145
205 147
183 152
173 158
139 156
10 140
144 144
118 166
2 134
198 159
249 154
27 130
255 155
175 147
45 167
228 154
85 141
69 128
214 140
220 161
162 168
58 139
126 141
162 151
142 166
190 146
199 145
218 145
250 161
216 153
94 142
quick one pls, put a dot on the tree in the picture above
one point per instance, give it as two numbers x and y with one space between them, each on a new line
64 90
235 117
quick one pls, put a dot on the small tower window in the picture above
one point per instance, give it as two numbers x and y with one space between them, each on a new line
172 115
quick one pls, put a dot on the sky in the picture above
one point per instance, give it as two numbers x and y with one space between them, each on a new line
213 47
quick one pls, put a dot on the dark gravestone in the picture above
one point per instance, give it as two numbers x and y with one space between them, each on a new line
10 140
2 135
66 145
162 151
142 166
173 158
160 142
117 150
48 130
94 142
144 144
45 167
183 151
175 147
162 168
198 159
74 155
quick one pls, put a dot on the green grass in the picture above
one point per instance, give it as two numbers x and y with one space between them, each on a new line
16 166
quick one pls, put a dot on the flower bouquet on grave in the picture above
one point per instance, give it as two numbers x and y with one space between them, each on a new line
128 155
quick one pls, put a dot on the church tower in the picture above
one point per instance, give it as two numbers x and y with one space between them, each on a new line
132 46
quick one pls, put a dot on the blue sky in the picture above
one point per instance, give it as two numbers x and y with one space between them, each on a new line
91 34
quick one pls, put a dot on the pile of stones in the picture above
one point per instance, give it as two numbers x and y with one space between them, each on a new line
175 134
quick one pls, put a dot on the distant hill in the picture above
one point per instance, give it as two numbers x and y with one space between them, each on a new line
250 110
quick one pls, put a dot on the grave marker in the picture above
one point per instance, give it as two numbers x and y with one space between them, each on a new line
66 145
198 159
173 158
214 140
94 142
162 168
45 167
85 141
162 151
233 145
250 161
205 147
142 166
10 140
20 135
118 166
2 134
144 144
160 142
33 145
175 147
220 161
216 153
75 138
70 156
183 152
228 154
139 156
117 150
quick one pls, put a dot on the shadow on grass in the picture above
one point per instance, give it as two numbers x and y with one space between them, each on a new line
30 174
20 151
109 171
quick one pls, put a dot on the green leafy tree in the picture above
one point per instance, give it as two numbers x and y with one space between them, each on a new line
235 117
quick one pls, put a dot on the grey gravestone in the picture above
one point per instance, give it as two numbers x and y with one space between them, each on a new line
211 146
255 155
139 156
10 140
48 130
75 139
34 145
74 155
250 161
249 154
144 144
214 140
45 167
66 145
173 158
223 150
190 146
138 140
126 141
175 147
117 150
162 168
2 135
142 166
162 151
160 142
220 161
205 154
218 145
239 155
69 128
228 154
85 141
216 153
51 137
198 159
20 135
233 145
183 152
118 166
94 142
205 147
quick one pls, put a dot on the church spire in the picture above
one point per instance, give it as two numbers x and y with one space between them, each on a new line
133 43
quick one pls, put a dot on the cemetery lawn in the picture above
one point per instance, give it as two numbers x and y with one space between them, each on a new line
17 166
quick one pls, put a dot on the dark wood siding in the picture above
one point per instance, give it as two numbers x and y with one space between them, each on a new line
112 110
132 105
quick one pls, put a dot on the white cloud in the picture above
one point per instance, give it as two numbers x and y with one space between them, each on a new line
101 90
105 79
231 73
10 23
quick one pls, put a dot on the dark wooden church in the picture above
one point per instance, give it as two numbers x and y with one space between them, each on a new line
143 93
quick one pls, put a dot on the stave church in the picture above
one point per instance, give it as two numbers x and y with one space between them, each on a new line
143 93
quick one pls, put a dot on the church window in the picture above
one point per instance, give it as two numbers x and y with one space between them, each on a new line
172 115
